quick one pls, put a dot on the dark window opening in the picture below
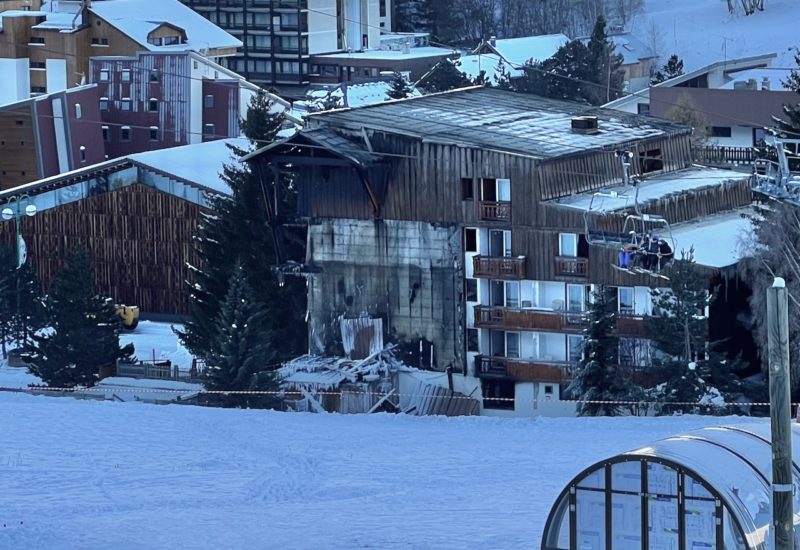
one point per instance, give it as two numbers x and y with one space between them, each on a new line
467 189
154 76
472 340
19 122
643 109
720 131
153 134
498 394
488 189
208 130
125 134
651 161
470 239
471 290
105 133
208 102
152 105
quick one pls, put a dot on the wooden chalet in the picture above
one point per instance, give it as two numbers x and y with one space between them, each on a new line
461 219
136 215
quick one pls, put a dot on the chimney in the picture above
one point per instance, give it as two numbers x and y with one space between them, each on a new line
493 40
585 125
752 84
765 84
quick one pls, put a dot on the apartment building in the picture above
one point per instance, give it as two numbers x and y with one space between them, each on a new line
46 46
467 222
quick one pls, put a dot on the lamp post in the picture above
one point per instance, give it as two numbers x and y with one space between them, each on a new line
16 207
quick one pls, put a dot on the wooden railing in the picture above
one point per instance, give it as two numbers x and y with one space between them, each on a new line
524 370
627 323
723 155
498 267
569 266
499 211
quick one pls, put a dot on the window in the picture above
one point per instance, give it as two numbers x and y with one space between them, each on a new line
634 352
153 133
576 298
470 239
171 40
152 105
78 110
83 153
512 345
471 290
154 77
38 40
154 40
38 65
382 8
499 243
208 101
125 104
289 20
125 133
720 131
759 135
126 75
472 340
467 189
208 130
643 109
567 244
19 122
498 394
625 300
651 161
104 41
512 294
104 104
574 348
105 133
104 75
38 90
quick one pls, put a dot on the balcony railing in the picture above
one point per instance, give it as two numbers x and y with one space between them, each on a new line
498 267
528 370
495 211
527 319
569 266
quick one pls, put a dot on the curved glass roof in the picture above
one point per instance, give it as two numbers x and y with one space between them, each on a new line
733 463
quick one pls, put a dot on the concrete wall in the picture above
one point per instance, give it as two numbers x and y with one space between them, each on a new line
15 84
322 26
408 273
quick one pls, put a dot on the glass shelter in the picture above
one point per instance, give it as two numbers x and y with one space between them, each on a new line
705 490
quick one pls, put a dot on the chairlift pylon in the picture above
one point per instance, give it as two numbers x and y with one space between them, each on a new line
774 177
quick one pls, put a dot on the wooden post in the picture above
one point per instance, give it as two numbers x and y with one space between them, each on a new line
780 414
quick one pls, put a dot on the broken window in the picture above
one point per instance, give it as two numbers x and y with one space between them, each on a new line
651 161
472 340
471 290
470 239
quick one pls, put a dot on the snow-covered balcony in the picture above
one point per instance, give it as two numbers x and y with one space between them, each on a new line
498 267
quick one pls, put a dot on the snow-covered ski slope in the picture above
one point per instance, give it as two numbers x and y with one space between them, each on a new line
702 31
98 475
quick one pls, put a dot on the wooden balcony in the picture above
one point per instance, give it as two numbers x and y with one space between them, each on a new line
527 319
495 211
568 266
498 267
630 325
523 370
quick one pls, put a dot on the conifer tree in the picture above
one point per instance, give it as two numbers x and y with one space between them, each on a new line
400 87
598 376
83 329
790 122
445 76
604 67
241 357
563 76
671 69
21 306
239 231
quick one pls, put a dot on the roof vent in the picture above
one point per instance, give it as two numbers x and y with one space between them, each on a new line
585 125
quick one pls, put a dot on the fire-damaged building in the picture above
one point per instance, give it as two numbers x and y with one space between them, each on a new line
473 225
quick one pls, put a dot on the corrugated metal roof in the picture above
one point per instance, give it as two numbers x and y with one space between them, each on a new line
500 120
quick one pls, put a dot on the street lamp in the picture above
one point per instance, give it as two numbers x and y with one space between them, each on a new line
14 210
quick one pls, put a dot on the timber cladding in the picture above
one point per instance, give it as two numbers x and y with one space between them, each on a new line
140 240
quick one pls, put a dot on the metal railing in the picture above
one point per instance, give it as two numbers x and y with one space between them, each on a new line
724 155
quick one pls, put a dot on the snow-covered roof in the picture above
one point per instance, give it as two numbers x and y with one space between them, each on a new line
775 77
620 197
717 240
199 163
138 18
315 372
347 94
630 48
385 55
489 63
518 51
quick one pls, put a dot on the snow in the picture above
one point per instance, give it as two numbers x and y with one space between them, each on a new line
518 51
123 382
779 282
776 77
717 240
154 340
387 55
490 64
136 18
199 163
139 476
703 32
650 189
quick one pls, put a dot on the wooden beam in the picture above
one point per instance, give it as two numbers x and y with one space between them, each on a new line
376 207
303 160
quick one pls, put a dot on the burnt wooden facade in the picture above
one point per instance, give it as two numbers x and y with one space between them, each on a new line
139 238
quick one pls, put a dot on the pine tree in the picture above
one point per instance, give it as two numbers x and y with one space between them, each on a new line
400 88
84 329
671 69
790 123
411 16
604 67
239 231
21 306
240 356
599 376
679 331
562 76
445 76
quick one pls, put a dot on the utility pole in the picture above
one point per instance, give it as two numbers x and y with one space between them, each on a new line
780 414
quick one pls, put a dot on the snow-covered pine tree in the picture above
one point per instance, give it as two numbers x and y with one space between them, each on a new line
599 377
671 69
400 87
604 67
562 76
679 331
445 76
83 325
241 356
18 287
238 231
